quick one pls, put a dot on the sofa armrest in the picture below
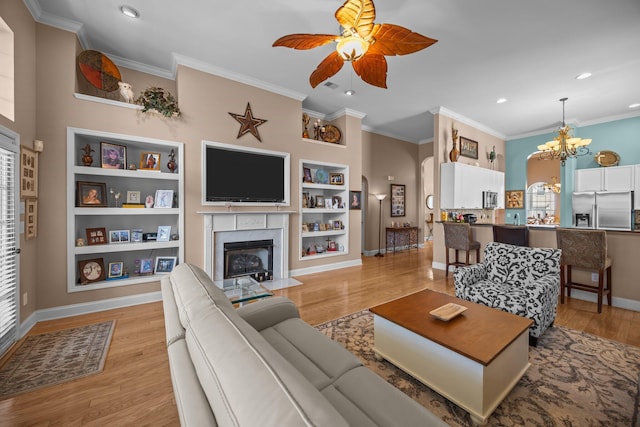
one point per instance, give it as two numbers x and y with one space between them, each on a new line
268 312
466 276
546 288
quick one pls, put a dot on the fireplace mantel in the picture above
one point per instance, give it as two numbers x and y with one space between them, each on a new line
221 225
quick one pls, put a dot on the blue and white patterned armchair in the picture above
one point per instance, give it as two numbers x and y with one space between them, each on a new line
516 279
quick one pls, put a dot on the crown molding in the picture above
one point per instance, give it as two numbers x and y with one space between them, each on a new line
467 121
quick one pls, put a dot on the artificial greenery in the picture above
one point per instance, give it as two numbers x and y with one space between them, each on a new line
160 100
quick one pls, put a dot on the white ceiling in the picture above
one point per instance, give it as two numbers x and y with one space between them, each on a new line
526 51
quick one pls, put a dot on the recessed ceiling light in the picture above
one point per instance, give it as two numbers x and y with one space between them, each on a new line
350 92
583 76
501 100
636 105
129 11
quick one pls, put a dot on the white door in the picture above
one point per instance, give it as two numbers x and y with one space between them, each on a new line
9 238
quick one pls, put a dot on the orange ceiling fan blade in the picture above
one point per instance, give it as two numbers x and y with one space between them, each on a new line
327 68
372 68
393 39
305 41
358 14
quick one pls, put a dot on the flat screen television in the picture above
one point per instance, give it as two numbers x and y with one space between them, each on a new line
240 175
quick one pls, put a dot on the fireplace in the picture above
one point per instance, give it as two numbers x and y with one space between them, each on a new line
244 258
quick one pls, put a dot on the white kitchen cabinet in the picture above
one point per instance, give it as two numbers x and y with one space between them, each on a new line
87 222
324 226
614 178
588 179
461 185
636 187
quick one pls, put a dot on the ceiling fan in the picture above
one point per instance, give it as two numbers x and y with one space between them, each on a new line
362 42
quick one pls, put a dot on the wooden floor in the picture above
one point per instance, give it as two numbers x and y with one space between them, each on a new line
135 387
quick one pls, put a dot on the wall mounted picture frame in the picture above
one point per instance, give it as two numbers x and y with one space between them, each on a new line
150 161
115 270
96 236
397 200
164 199
91 194
164 233
119 236
514 199
28 173
355 200
336 178
165 264
468 148
113 156
91 270
31 218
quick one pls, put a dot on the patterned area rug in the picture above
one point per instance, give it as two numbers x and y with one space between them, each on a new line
575 379
56 357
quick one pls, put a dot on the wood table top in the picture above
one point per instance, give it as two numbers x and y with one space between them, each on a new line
480 333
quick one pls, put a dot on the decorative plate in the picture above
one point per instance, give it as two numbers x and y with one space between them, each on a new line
607 158
447 311
99 70
322 177
331 134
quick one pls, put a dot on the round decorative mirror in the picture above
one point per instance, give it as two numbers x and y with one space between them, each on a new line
430 201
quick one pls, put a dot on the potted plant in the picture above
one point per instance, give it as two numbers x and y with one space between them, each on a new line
159 100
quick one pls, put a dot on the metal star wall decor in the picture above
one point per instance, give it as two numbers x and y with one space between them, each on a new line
248 123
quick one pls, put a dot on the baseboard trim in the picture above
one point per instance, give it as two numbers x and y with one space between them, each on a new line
325 267
85 308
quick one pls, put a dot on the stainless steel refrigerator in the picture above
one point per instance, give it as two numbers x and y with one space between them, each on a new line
614 210
584 209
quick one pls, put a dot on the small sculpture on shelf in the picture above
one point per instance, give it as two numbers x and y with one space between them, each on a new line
87 158
172 165
305 122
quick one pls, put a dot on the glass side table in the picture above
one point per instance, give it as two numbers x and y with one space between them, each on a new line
243 289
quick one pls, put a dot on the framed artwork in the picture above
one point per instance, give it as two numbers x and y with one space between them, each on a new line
514 199
164 199
96 236
91 270
136 235
468 148
150 161
115 269
306 177
28 173
91 194
31 218
113 156
164 232
320 201
336 202
119 236
165 264
146 265
336 178
397 200
133 197
355 198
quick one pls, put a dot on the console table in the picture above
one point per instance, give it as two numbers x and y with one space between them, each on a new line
401 236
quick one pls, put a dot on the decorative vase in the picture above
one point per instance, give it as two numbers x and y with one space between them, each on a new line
454 153
87 158
172 165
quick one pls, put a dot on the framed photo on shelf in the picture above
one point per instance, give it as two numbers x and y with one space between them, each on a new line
113 156
514 199
28 173
164 199
119 236
320 201
355 198
150 161
91 270
91 194
133 197
31 218
336 202
96 236
306 177
146 265
136 235
336 178
305 200
468 148
397 200
165 264
115 269
164 232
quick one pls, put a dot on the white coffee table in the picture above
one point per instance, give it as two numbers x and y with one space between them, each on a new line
474 359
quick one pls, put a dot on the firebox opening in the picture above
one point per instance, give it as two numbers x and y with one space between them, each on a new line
248 258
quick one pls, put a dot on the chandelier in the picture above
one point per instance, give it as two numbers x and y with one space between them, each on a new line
554 186
564 145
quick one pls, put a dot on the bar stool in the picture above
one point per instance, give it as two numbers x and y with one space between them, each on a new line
585 249
457 236
512 235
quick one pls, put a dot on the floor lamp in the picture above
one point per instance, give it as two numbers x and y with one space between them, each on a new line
380 198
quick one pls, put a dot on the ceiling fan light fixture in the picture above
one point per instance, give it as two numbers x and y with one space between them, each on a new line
352 48
350 92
